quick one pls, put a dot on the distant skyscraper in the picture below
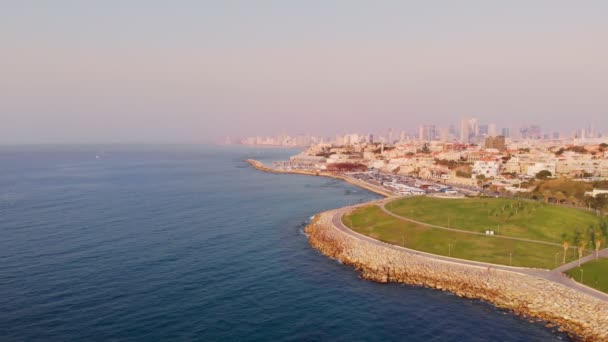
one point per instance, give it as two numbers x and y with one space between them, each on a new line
426 132
473 128
464 130
468 129
506 132
483 130
492 130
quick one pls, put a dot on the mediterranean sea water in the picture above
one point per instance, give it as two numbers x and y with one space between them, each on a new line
189 243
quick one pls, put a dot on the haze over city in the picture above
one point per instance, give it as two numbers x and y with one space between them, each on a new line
195 71
272 170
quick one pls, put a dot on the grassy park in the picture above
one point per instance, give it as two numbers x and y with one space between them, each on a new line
595 274
507 217
536 221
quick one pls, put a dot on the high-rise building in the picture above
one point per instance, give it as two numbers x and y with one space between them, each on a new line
464 130
483 130
506 132
492 130
426 132
473 128
468 129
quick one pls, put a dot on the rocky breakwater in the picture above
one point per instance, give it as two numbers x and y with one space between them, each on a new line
581 316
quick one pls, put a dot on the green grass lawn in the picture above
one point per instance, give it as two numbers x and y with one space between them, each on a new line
595 274
524 219
373 222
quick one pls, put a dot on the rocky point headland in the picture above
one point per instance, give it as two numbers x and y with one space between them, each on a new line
581 316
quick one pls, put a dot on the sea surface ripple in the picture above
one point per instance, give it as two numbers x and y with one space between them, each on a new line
183 243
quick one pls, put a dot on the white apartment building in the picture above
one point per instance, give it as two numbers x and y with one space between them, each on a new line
569 165
486 167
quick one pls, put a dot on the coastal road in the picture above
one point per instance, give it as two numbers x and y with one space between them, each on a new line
553 275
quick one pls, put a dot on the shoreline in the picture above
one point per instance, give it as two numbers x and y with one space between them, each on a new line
581 316
260 166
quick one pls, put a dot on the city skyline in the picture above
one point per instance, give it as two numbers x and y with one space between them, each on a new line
194 72
468 130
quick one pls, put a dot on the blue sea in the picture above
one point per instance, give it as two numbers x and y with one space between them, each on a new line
189 243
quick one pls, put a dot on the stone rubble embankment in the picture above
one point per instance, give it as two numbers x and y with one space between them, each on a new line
581 316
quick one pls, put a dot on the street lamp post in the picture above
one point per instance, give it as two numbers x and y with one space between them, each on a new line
556 254
450 250
581 275
510 258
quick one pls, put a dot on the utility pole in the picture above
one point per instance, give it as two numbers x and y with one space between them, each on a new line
450 250
581 275
510 258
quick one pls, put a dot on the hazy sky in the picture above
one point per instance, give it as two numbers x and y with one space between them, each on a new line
188 71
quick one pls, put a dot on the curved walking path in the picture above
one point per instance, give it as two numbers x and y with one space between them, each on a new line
553 275
382 206
563 268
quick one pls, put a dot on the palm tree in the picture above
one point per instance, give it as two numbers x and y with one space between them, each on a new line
597 237
566 245
581 248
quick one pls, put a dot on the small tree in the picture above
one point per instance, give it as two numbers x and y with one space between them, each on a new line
480 180
426 149
576 238
543 174
581 248
597 239
566 245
